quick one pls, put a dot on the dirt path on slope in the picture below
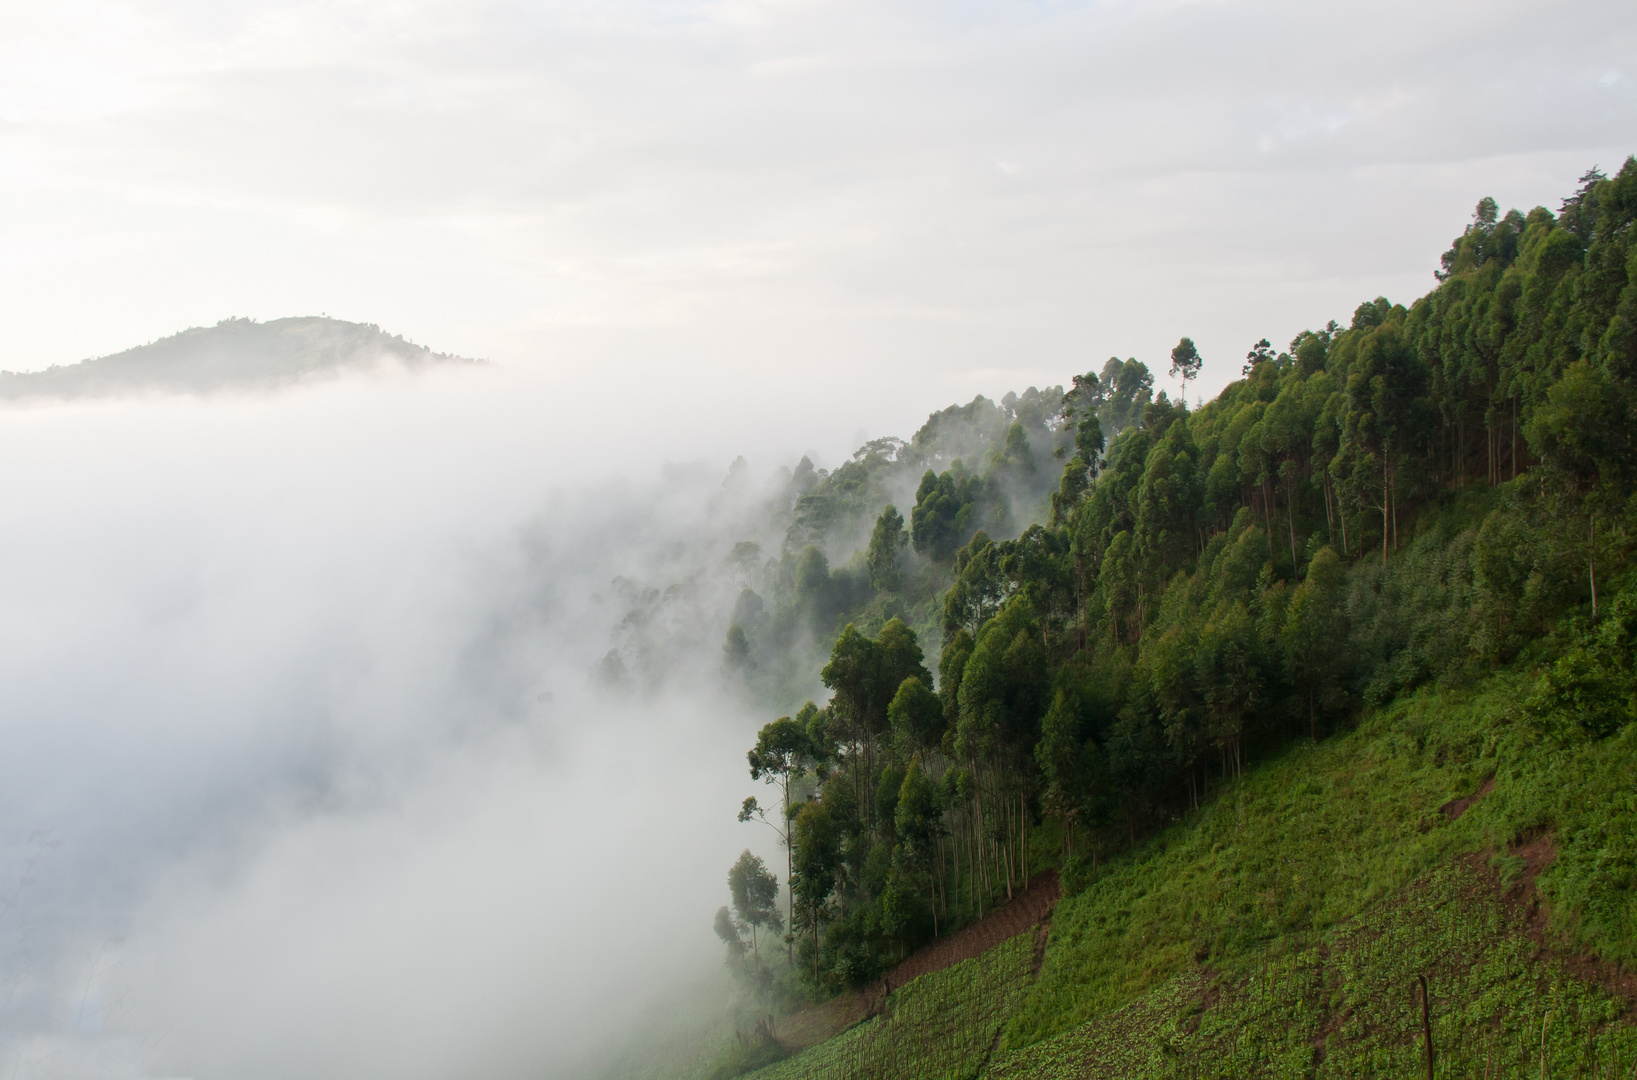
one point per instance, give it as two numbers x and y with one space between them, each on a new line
1028 908
1018 914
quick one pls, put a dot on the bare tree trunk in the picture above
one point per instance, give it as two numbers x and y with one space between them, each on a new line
1489 443
1594 567
1392 497
1386 532
1290 512
1514 436
1023 835
1341 513
1329 518
789 872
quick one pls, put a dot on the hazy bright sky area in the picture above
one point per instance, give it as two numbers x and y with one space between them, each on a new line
745 201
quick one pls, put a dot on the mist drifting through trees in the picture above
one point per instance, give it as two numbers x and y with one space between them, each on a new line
307 769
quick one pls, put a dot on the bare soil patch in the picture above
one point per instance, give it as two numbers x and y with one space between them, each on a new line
1456 807
1538 851
1017 915
1028 908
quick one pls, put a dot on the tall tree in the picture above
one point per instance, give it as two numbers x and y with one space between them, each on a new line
755 893
885 554
1185 364
783 754
1315 622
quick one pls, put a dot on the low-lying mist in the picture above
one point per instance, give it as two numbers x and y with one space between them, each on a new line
306 769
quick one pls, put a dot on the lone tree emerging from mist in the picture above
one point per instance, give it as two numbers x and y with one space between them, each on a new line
783 753
755 894
732 934
1185 364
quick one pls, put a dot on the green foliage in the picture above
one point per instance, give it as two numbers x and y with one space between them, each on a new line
941 1026
1343 1007
747 1055
1593 685
886 550
948 510
1386 511
1186 361
1278 931
736 655
917 717
755 893
731 932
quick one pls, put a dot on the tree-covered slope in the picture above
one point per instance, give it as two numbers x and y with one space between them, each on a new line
1282 929
1229 673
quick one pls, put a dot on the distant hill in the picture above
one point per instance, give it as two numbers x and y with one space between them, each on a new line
235 354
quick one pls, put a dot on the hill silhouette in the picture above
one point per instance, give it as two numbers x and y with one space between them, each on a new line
235 354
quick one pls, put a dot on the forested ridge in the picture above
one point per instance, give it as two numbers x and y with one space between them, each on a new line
1101 605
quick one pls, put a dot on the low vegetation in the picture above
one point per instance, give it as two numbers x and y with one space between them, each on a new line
1309 693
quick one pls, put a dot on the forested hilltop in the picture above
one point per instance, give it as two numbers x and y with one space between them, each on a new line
1058 624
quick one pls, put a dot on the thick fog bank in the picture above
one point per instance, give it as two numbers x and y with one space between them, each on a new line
305 769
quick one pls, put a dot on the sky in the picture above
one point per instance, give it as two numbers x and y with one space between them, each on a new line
878 206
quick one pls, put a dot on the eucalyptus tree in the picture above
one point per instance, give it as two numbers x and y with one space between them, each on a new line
1185 364
755 893
783 754
885 554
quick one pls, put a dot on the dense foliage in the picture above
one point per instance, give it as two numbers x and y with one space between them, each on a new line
1422 496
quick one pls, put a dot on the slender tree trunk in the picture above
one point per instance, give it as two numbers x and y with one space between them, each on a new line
1392 496
977 793
1594 567
1005 846
1329 518
1341 514
1386 531
1022 842
1290 512
1514 437
1489 442
789 872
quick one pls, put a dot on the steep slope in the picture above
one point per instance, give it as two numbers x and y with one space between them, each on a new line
1281 929
233 354
1308 693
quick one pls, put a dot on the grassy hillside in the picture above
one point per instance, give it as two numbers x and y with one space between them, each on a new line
1279 930
1324 687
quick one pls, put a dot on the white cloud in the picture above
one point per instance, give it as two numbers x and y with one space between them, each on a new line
304 772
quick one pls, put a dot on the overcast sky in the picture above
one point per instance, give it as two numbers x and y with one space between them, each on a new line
742 198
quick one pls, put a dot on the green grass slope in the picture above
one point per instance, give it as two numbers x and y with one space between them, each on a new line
1280 930
939 1026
